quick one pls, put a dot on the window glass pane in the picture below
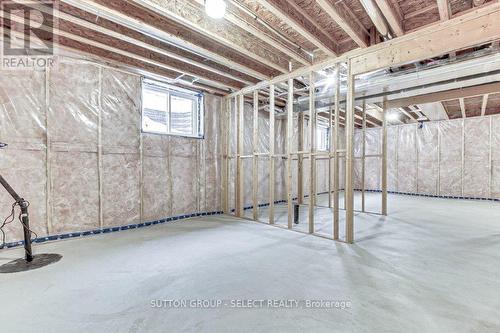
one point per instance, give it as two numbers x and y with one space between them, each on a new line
155 100
154 114
182 115
171 110
322 138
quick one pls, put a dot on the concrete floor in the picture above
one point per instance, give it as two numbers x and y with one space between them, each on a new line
431 266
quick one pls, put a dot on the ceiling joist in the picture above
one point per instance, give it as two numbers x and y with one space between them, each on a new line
342 19
155 28
210 29
392 16
301 24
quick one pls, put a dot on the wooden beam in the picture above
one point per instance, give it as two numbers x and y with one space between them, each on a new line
390 53
477 27
483 89
392 15
462 107
284 11
343 21
207 28
155 29
444 10
376 16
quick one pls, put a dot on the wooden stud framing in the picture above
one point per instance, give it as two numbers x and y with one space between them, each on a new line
463 156
363 158
312 151
48 155
255 158
225 114
99 151
289 132
349 169
384 159
271 154
336 169
300 159
490 175
239 152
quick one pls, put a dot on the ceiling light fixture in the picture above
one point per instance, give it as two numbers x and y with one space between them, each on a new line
215 8
393 116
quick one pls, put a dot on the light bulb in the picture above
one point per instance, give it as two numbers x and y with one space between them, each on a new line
393 116
215 8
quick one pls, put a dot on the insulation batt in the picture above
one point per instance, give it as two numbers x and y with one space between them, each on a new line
57 121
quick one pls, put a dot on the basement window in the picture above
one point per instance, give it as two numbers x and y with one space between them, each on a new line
322 138
171 110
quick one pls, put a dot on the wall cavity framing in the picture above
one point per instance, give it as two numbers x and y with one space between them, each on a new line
460 31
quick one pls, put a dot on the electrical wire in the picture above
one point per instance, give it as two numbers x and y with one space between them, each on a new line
9 219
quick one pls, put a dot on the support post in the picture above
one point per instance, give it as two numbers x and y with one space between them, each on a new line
255 157
312 148
384 158
289 131
271 154
349 169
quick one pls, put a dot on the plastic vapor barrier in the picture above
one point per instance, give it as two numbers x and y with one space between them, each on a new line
76 152
458 158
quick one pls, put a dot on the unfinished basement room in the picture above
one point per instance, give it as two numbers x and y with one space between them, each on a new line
250 166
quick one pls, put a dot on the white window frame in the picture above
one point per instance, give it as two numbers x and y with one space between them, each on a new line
169 91
324 131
